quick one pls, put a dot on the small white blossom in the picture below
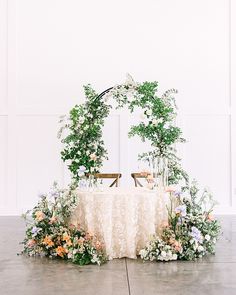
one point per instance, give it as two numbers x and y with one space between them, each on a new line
155 122
81 120
174 256
207 237
163 254
200 248
148 112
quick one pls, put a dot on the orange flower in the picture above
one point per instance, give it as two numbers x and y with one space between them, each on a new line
39 215
60 251
48 241
69 243
66 237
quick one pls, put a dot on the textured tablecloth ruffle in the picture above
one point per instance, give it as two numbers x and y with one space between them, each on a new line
123 219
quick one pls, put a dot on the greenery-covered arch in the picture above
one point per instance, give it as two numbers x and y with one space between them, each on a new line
83 143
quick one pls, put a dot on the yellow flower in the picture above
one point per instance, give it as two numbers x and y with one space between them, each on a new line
39 215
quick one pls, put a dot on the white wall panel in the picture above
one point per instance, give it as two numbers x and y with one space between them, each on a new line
232 81
38 154
207 156
3 56
49 49
112 142
3 165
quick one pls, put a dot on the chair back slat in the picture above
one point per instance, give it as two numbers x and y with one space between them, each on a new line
115 176
136 176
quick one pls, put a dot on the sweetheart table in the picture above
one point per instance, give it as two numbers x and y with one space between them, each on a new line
122 219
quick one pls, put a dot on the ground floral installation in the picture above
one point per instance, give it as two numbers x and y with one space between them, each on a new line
191 231
50 234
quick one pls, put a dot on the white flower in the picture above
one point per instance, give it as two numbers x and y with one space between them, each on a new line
200 248
143 253
129 80
142 117
163 254
155 122
207 237
174 256
130 96
148 112
81 120
69 255
160 120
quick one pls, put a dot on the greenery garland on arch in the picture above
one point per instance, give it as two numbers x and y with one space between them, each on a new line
84 148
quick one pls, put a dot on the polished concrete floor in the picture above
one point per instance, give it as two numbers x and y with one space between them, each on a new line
22 275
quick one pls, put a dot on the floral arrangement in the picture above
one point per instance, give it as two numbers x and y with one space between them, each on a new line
191 231
84 147
83 143
50 234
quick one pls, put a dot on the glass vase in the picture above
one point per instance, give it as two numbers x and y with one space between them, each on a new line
159 171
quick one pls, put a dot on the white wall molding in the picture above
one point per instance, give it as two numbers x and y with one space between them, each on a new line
43 65
232 84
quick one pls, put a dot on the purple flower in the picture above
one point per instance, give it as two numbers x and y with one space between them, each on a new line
35 230
181 210
54 194
81 171
196 234
177 193
179 221
41 195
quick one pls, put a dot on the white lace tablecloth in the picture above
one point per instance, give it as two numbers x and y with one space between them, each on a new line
123 219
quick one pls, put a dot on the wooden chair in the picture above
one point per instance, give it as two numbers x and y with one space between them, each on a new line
137 176
115 176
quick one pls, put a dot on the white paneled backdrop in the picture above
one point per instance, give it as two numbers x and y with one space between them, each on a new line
50 48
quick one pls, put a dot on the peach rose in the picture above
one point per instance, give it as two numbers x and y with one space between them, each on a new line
39 215
210 217
93 157
31 243
177 246
170 189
